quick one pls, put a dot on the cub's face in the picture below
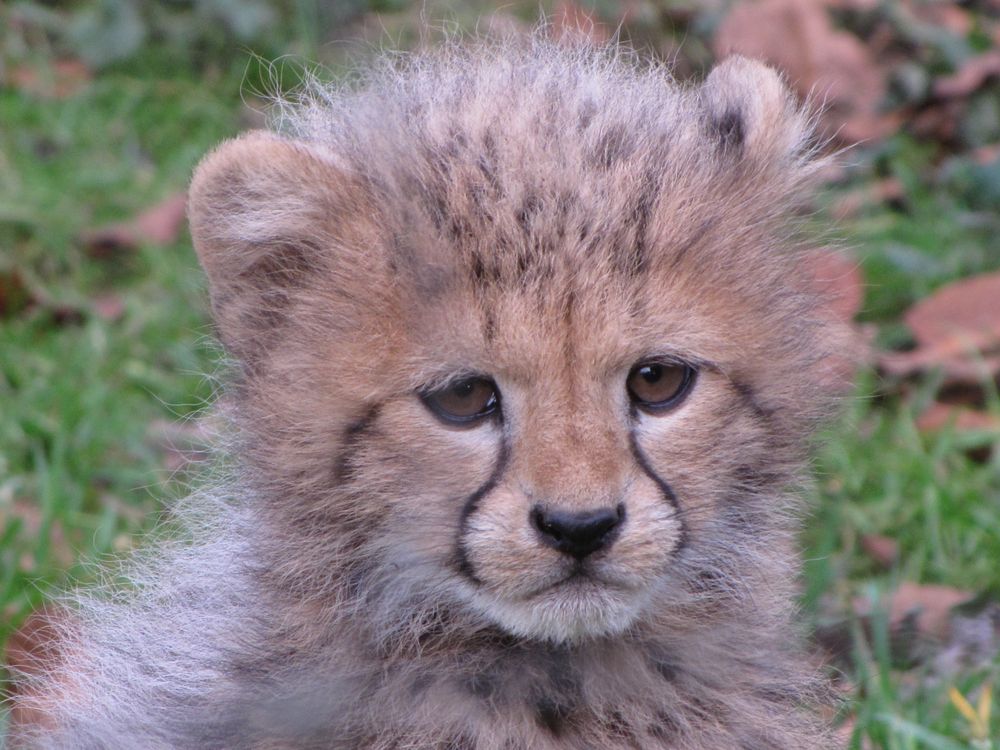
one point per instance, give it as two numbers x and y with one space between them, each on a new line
540 475
495 377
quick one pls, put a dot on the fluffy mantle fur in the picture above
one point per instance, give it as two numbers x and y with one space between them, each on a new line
546 216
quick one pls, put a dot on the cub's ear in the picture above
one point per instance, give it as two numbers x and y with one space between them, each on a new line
753 114
269 217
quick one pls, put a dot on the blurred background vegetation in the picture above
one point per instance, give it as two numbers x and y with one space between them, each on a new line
106 359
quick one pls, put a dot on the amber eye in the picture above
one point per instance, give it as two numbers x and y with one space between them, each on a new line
658 386
465 401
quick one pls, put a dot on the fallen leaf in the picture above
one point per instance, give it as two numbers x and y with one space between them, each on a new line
61 79
928 605
882 550
108 307
820 60
945 15
940 122
29 645
920 610
17 294
570 18
159 225
986 154
837 277
14 293
957 329
951 359
34 649
970 77
874 193
162 223
940 416
854 5
970 306
981 426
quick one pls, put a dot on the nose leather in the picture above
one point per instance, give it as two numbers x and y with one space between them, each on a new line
578 533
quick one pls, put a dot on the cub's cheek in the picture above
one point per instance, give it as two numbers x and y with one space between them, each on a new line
501 549
650 538
441 464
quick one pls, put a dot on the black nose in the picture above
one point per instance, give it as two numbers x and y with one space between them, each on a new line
578 534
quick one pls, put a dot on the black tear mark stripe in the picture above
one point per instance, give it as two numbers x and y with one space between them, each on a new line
665 488
351 443
470 506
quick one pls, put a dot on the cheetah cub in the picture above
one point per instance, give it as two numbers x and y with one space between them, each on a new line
526 368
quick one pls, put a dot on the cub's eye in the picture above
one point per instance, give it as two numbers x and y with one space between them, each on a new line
464 402
658 386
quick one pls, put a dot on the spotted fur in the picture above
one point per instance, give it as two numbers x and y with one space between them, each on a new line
546 215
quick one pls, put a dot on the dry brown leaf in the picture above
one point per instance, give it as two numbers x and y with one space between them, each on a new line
570 18
17 294
970 77
940 122
940 416
57 81
854 5
872 194
820 60
928 606
986 154
33 639
838 279
109 307
950 358
14 293
162 223
925 609
967 307
159 225
32 650
882 550
946 15
957 329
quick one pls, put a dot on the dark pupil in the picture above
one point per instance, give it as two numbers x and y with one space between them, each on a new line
463 390
651 373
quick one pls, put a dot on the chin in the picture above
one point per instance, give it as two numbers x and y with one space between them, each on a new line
572 612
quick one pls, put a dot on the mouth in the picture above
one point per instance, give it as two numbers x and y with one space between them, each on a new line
581 577
573 604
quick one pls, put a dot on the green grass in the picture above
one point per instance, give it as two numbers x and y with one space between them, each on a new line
80 474
77 396
878 475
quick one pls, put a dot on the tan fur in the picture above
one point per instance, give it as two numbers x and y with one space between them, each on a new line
547 216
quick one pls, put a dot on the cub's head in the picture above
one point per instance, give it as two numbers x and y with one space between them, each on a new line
522 341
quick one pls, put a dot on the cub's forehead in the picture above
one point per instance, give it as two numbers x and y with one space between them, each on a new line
508 199
584 318
515 168
558 171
